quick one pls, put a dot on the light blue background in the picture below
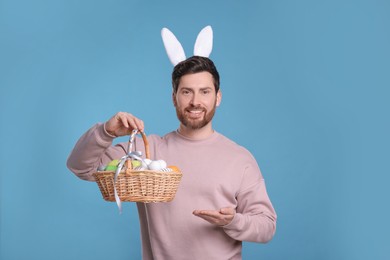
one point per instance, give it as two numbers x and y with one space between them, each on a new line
305 88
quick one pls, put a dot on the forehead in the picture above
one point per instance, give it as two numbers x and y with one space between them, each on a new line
197 80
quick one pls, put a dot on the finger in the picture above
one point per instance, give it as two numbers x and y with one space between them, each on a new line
138 124
209 218
121 117
113 124
132 122
210 213
215 218
129 121
125 122
227 211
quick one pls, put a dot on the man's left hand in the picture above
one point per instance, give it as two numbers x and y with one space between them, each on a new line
220 217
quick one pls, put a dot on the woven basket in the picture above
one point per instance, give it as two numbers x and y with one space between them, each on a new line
139 185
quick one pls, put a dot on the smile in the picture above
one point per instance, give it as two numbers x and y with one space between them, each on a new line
195 113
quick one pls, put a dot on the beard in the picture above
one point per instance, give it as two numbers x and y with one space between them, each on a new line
195 123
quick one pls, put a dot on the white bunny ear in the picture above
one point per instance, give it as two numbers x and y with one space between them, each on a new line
204 42
173 47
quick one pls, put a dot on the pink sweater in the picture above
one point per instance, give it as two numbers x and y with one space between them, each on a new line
217 173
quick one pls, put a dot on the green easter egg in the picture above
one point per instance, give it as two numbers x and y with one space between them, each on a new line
113 163
111 168
136 164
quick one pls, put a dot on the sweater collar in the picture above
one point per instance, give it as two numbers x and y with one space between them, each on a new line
186 139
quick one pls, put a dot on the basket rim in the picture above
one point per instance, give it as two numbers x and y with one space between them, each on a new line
131 172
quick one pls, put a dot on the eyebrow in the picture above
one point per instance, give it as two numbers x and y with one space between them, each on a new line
201 89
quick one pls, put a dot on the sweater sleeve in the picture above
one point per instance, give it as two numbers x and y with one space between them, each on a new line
255 220
93 149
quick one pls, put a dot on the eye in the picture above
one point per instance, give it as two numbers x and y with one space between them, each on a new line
185 92
206 92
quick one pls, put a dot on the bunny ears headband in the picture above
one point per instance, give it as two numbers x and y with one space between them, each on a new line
175 51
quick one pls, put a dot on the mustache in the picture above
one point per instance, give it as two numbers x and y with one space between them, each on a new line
195 108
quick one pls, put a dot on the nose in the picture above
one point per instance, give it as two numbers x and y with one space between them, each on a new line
195 99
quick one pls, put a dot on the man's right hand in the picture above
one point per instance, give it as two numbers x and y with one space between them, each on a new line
123 123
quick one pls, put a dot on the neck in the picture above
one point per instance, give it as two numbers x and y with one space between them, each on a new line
196 134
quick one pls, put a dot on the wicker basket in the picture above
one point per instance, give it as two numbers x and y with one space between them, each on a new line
138 185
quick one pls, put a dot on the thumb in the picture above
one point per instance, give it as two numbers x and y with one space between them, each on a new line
227 211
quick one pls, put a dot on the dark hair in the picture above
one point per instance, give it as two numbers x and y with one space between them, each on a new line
192 65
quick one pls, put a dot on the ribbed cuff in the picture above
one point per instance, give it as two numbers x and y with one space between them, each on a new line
235 224
107 133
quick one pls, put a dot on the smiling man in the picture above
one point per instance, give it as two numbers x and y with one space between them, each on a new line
196 100
222 198
196 95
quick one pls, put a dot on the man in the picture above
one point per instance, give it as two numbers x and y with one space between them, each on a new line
222 198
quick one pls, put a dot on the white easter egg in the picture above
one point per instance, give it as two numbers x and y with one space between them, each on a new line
166 170
163 164
145 163
154 165
101 168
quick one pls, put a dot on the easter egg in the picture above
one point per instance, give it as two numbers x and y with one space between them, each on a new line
146 162
101 168
136 164
166 170
174 168
112 166
155 165
113 163
163 164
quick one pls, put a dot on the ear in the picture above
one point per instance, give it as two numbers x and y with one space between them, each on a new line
172 46
174 99
204 42
219 98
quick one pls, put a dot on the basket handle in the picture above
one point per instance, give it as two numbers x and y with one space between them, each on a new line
145 140
125 158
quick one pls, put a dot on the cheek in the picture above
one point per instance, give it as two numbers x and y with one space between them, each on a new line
179 104
182 102
214 103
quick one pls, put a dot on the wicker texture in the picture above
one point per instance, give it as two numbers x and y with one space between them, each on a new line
139 185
